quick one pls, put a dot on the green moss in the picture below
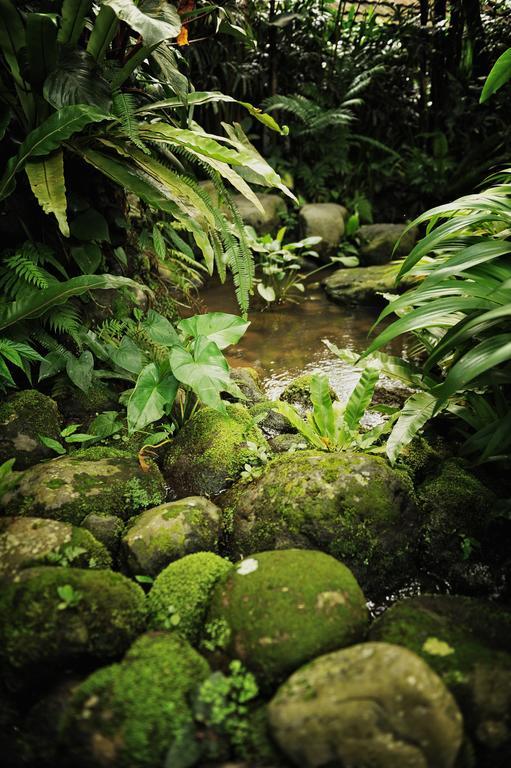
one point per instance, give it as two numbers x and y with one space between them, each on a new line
137 710
352 506
185 587
55 483
108 615
211 450
23 417
97 452
298 391
284 608
418 458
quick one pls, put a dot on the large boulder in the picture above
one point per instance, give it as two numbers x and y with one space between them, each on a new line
276 610
363 285
379 240
180 595
132 713
23 418
467 643
28 541
94 480
210 451
165 533
353 506
266 221
50 616
374 704
107 529
324 220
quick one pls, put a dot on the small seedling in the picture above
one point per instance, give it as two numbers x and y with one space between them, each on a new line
69 597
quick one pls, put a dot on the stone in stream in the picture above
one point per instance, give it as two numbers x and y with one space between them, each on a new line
133 713
210 451
180 596
378 242
325 220
269 421
352 506
363 285
249 381
276 610
467 643
51 616
298 392
23 417
103 480
373 704
29 541
165 533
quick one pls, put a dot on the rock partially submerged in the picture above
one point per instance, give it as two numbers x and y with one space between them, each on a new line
363 285
372 704
378 242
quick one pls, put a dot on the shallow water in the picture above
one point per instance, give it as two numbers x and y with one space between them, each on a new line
286 341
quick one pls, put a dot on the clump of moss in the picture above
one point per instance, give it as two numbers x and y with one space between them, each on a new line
418 458
51 615
284 608
180 595
210 451
130 715
298 391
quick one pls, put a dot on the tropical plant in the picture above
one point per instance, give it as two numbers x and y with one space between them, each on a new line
334 426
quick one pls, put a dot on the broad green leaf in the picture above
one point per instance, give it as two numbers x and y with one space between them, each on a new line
90 226
360 398
75 80
46 177
53 363
106 424
47 137
38 303
266 292
499 75
481 358
160 330
73 15
323 412
128 356
80 437
88 257
41 46
80 369
205 371
153 30
152 397
222 328
12 37
417 410
49 442
103 32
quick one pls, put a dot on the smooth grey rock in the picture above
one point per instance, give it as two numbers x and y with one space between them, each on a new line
325 220
378 242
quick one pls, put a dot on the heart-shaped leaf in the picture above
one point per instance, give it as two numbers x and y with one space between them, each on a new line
222 328
154 393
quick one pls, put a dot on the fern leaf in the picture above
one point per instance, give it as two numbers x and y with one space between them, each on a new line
124 109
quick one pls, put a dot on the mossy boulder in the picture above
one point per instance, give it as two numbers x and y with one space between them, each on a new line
50 616
353 506
288 443
269 420
380 243
374 704
363 285
180 595
276 610
455 507
107 529
467 642
28 541
23 417
77 405
210 451
129 715
249 382
170 531
298 391
98 480
420 458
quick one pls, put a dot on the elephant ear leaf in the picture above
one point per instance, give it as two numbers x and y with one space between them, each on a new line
46 177
47 137
150 20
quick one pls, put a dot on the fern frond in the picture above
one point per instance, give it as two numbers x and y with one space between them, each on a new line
123 107
64 319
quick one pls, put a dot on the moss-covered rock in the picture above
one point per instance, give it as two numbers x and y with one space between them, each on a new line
163 534
269 420
107 529
298 391
467 643
179 597
23 418
379 243
94 480
51 615
210 451
363 285
129 715
288 443
249 382
276 610
419 458
455 508
77 405
28 541
353 506
374 704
